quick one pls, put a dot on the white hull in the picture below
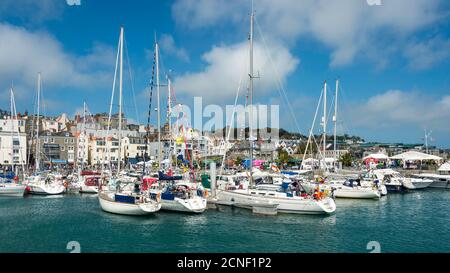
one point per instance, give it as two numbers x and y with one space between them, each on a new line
439 181
127 209
12 190
357 193
415 184
194 205
88 189
440 184
46 189
240 198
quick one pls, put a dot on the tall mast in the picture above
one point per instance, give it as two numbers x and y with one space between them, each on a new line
158 102
15 117
12 128
250 135
38 146
324 121
169 115
120 100
84 135
335 118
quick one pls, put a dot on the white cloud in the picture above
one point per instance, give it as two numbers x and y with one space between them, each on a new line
167 45
23 53
350 28
401 109
423 55
227 65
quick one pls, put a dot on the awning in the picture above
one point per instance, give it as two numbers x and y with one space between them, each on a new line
444 167
415 156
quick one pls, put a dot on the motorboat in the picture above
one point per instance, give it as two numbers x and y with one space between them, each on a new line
8 187
179 194
441 181
392 179
45 184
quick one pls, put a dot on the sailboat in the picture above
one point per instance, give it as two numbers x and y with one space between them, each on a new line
177 194
288 201
124 195
42 183
8 185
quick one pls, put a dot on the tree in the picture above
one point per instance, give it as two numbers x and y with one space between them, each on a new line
238 161
283 157
346 159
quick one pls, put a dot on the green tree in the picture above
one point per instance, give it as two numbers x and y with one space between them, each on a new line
238 161
346 159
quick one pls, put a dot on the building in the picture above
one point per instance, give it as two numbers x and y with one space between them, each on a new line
13 142
58 148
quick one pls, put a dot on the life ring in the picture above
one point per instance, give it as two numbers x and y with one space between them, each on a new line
206 193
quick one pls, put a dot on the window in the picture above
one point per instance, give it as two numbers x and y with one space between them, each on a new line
52 140
63 148
16 142
46 140
15 151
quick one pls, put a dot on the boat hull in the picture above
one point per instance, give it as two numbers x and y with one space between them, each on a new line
88 189
195 205
357 194
440 184
285 205
11 190
417 184
126 209
45 189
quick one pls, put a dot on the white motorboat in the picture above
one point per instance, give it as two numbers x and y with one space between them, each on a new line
411 183
441 181
179 195
45 185
389 177
89 182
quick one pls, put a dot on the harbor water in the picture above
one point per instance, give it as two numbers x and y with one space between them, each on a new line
413 222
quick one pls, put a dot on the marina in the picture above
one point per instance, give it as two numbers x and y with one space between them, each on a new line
146 147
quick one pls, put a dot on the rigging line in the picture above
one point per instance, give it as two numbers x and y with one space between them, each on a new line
131 81
312 127
231 122
279 83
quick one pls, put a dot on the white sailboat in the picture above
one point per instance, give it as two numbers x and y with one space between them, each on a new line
251 198
124 196
42 183
179 195
9 187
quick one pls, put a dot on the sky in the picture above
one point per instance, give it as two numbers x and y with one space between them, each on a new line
392 60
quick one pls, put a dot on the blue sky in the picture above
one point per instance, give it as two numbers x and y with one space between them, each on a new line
392 60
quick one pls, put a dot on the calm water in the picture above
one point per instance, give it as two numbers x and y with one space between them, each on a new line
413 222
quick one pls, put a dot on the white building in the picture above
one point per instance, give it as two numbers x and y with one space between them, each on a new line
13 142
